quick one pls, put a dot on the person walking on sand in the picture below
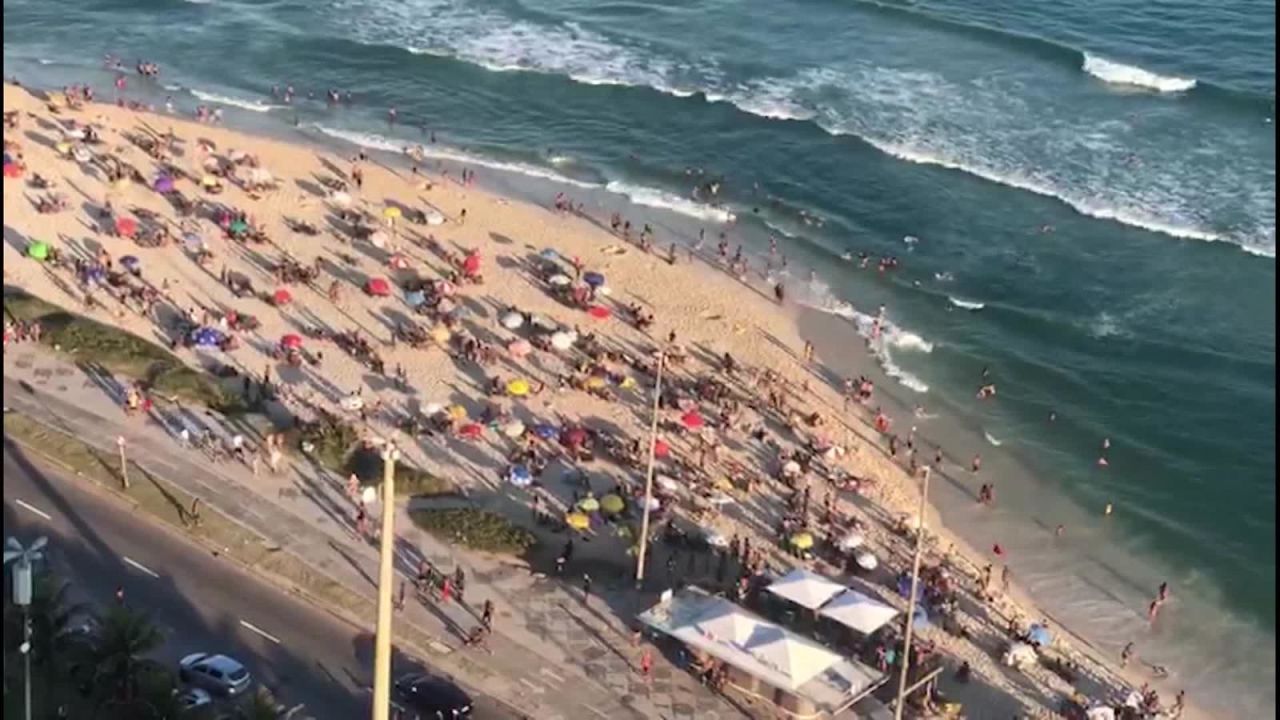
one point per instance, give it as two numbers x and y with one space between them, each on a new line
1153 610
586 588
646 664
976 465
399 604
1006 575
808 351
1126 654
486 616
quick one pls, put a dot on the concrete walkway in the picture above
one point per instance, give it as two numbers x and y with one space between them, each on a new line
551 655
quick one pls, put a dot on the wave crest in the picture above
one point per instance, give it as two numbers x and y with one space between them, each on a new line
250 105
1121 74
965 304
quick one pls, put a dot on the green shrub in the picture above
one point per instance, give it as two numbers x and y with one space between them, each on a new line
476 529
410 481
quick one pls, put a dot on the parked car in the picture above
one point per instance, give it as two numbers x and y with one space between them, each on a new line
218 674
193 698
428 697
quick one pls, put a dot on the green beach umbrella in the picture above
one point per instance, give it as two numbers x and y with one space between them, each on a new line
38 250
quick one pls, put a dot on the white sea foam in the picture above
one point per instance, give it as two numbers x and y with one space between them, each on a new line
652 197
1121 74
992 439
965 304
251 105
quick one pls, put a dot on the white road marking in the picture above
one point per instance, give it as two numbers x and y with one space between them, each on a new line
537 689
140 566
548 673
595 710
34 509
261 632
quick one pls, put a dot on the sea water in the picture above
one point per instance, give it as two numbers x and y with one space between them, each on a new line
1088 185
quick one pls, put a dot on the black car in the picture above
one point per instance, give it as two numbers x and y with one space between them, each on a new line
428 697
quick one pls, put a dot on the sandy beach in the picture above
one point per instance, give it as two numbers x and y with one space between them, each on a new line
709 312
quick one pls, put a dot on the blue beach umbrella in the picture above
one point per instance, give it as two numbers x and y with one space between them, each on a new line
594 279
206 337
95 275
544 431
415 298
131 263
1040 635
520 476
164 184
549 254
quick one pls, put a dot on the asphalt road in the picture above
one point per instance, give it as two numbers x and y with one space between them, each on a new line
203 602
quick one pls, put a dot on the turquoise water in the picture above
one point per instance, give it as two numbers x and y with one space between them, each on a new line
1141 132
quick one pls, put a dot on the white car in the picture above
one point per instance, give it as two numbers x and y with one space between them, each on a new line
193 698
218 674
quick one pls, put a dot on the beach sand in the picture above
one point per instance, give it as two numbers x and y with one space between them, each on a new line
711 313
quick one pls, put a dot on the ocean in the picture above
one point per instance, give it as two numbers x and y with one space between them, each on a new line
1081 195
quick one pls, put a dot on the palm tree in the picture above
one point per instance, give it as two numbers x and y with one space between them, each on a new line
262 706
54 641
123 638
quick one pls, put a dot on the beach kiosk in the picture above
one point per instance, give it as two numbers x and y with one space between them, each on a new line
800 677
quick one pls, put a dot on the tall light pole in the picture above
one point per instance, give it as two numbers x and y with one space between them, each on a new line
648 478
22 583
911 602
382 645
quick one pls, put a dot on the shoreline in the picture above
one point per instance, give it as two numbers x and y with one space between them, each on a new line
702 310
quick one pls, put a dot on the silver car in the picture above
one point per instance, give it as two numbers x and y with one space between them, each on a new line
218 674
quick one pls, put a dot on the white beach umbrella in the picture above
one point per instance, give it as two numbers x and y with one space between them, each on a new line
559 280
561 340
435 218
512 320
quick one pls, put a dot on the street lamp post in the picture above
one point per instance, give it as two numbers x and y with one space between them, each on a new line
22 558
911 602
382 645
648 479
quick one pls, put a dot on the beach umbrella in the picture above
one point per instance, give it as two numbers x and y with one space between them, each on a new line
692 420
238 227
519 348
471 431
391 213
291 341
512 320
352 402
518 388
206 337
612 504
12 170
63 148
520 476
513 429
653 503
282 297
1102 712
573 436
559 280
791 468
445 288
802 541
415 298
471 265
446 306
661 448
340 199
594 279
866 561
126 226
541 323
599 312
589 504
95 274
561 341
163 184
1040 635
577 520
379 239
457 412
209 181
432 408
544 431
131 263
38 250
595 383
852 541
441 334
549 254
377 287
667 483
920 620
435 218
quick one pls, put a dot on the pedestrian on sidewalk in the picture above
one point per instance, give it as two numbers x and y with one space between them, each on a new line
120 595
1126 654
446 591
362 522
646 664
353 487
486 617
586 588
255 460
460 583
400 598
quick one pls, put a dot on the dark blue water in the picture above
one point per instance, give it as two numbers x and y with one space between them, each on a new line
1140 133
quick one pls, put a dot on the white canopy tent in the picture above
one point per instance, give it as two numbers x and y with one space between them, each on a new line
805 588
859 612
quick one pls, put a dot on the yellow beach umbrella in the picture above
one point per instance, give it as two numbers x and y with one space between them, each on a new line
628 382
588 504
802 541
612 504
595 383
391 213
441 334
457 412
518 388
577 520
63 148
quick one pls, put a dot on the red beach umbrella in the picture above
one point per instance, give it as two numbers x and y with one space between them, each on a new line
126 226
661 448
573 436
471 265
599 312
692 420
378 287
282 297
471 431
291 341
12 170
